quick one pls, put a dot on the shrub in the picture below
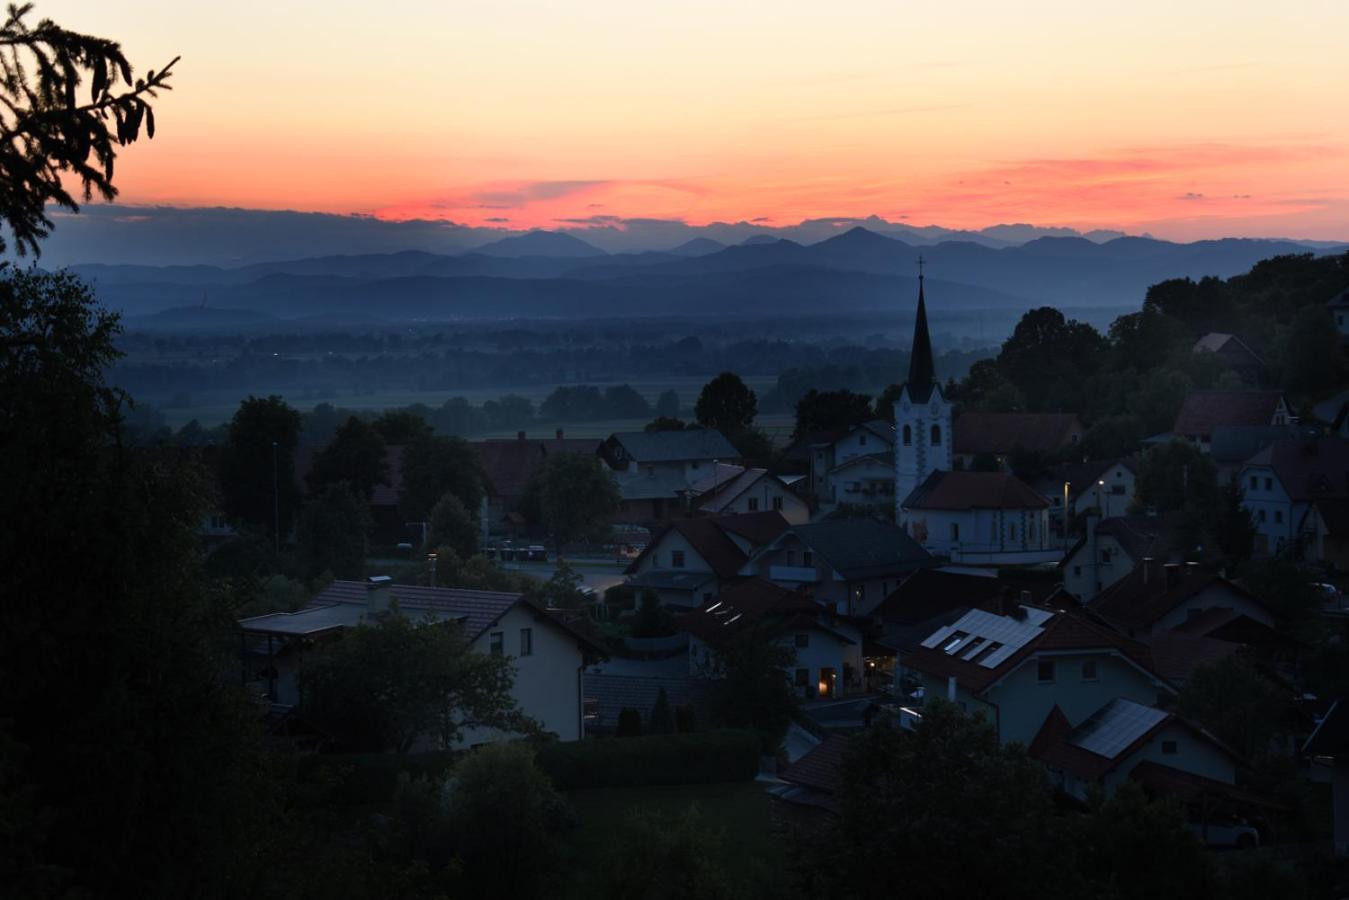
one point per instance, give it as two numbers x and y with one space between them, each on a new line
685 720
629 723
363 778
662 719
703 758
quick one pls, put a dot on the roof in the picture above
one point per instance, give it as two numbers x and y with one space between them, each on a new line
1238 443
931 592
973 490
1308 470
863 547
1203 411
1001 433
1142 597
886 460
1340 299
675 446
1335 514
820 768
663 484
1176 654
717 496
710 538
1138 536
753 601
1080 476
509 464
981 647
671 579
1100 743
922 372
1331 737
1216 342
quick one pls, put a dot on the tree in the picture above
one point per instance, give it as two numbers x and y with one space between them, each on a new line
1136 849
453 526
577 498
563 589
667 405
665 423
830 411
257 471
650 619
622 401
1048 357
662 717
885 403
48 136
755 446
667 857
1176 476
381 687
400 427
511 411
752 690
726 404
434 466
127 765
1310 351
354 456
1237 703
332 534
1233 528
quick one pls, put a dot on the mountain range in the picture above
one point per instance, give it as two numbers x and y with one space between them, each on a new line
549 274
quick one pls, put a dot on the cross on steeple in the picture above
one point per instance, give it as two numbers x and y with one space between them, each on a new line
920 267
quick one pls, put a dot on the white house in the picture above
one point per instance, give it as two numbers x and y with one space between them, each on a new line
863 481
1203 411
1104 487
1110 549
826 649
731 490
980 518
687 563
850 564
1282 482
690 453
546 652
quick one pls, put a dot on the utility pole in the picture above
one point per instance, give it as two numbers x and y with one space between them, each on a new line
276 502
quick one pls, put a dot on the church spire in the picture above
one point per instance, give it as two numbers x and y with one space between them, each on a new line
922 374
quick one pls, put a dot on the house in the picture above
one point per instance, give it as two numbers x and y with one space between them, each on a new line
689 453
867 480
687 563
980 518
1235 353
1323 533
1328 750
999 435
509 465
1282 481
1203 411
547 652
730 489
830 452
1231 445
815 779
608 694
1159 596
1104 486
1339 308
922 414
1122 737
826 649
1111 548
1015 663
650 498
849 564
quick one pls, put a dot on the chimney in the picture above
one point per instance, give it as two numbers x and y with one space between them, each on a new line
559 434
519 435
1147 569
1172 575
378 591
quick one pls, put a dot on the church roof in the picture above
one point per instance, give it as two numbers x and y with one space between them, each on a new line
922 373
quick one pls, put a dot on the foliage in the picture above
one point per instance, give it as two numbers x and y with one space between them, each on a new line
48 137
1285 588
1141 850
1176 476
726 405
563 589
257 472
662 717
133 769
511 411
453 526
667 858
667 406
399 426
478 573
753 691
665 423
651 620
1233 529
332 534
355 456
1238 703
577 497
587 403
381 687
885 403
434 466
755 446
1048 357
830 411
629 722
704 757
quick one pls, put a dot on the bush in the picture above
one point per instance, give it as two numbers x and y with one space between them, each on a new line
629 723
704 758
685 720
362 778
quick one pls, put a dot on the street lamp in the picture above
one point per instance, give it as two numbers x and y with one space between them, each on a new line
431 558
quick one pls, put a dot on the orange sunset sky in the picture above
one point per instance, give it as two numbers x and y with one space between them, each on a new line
1184 118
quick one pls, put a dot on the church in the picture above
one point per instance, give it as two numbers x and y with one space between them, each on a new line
974 518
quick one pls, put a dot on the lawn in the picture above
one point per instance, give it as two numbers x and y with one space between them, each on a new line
740 811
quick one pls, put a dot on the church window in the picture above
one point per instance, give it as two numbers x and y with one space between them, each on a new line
908 435
936 435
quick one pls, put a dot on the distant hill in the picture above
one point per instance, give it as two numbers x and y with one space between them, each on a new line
697 247
540 243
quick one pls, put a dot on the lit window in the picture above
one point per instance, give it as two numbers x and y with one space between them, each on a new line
1044 671
526 642
497 643
1088 670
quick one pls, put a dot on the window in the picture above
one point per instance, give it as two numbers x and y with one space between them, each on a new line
1169 748
1117 490
908 435
861 440
803 640
1088 670
497 643
677 559
753 504
936 435
955 531
791 557
1255 483
1278 516
1261 516
526 641
1269 484
777 504
1077 571
1044 671
803 678
807 558
1105 555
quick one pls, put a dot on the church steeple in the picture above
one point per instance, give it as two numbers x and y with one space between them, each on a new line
922 374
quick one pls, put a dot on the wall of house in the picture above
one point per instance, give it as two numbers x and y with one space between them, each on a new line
1214 596
1111 564
860 443
1275 515
547 682
943 531
1112 498
662 555
870 482
767 495
822 651
1024 701
785 565
1193 754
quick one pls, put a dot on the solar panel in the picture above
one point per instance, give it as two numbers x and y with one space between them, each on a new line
1115 726
977 630
939 636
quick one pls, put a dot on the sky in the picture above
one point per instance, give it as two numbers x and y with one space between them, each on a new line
1186 120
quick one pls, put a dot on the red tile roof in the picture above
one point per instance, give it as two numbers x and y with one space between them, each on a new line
1001 433
1309 470
821 768
510 463
974 490
1203 411
710 538
1141 598
752 601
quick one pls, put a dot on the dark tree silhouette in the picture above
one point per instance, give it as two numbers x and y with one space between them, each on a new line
47 134
726 404
258 469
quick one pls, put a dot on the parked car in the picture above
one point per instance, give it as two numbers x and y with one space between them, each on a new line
1231 831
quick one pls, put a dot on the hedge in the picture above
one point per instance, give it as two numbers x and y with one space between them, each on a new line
701 758
362 778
